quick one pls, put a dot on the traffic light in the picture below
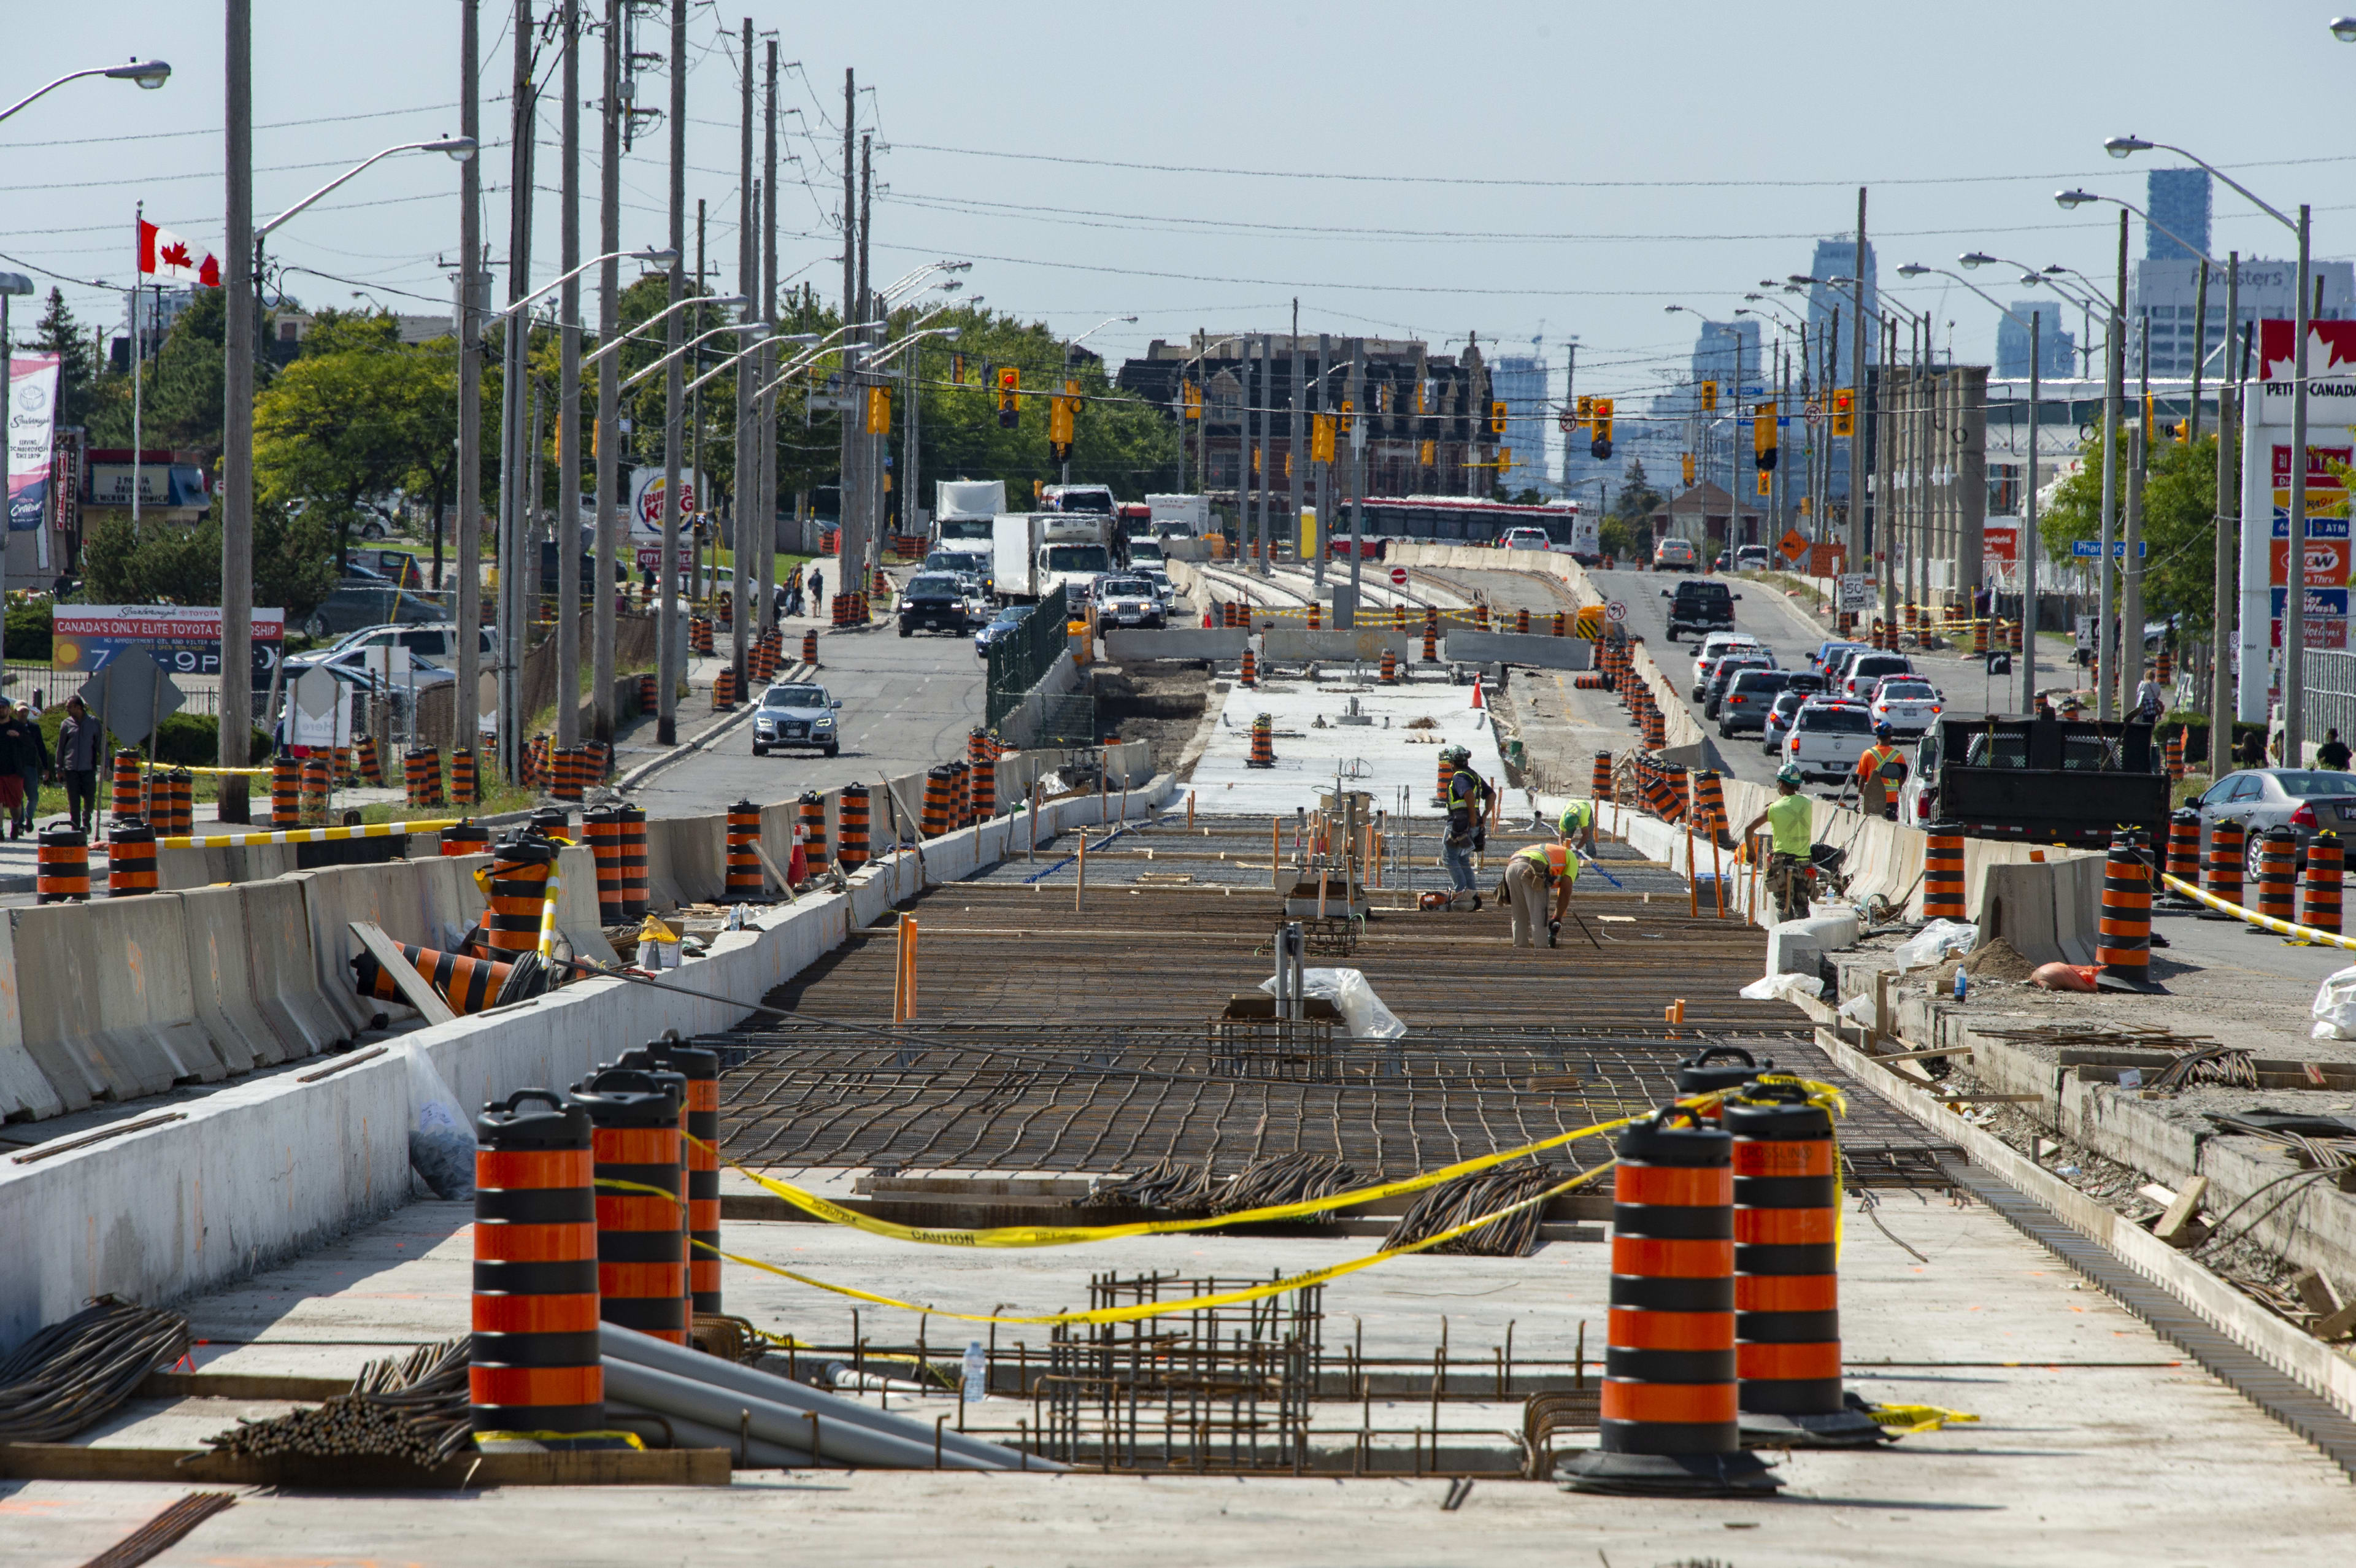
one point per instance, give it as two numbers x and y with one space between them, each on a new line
956 369
1190 398
1496 418
1766 483
1504 459
1763 438
1321 438
879 410
1063 417
1349 409
1584 414
1009 386
1600 447
1843 412
1429 455
1710 397
1686 459
2181 432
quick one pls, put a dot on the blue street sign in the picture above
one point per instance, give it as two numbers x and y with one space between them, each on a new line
2089 549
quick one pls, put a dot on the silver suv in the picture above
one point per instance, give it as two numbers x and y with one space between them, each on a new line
796 713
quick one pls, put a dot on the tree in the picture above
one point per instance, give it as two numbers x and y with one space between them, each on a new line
59 333
357 414
181 400
2179 524
1624 531
294 566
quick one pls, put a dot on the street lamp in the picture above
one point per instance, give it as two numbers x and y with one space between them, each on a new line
149 74
2294 634
1073 343
723 330
2029 541
746 352
718 301
2344 30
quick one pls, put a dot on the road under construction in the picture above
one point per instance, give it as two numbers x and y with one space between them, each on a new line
1146 1174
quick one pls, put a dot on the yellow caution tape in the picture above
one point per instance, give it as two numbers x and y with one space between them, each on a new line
1908 1419
2265 922
1192 1303
1070 1235
304 835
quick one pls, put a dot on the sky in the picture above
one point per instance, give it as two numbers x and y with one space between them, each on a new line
1511 171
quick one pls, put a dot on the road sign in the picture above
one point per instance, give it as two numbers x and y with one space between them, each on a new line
1398 577
132 694
316 692
1815 412
2090 549
1793 545
1854 588
1615 612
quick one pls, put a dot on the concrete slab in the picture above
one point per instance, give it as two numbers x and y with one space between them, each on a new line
1382 759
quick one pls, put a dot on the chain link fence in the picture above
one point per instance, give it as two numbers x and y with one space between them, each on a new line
2328 693
1020 659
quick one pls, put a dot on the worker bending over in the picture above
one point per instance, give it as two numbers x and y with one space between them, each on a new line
1468 827
1532 872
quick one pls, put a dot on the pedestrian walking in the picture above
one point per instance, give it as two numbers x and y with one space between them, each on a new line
32 762
81 742
817 590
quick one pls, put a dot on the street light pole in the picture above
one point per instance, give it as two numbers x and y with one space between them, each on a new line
467 536
2223 650
666 619
568 393
239 345
603 614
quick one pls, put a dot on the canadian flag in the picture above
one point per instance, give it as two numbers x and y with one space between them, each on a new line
164 254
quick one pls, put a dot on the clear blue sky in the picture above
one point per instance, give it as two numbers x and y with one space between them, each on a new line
1665 152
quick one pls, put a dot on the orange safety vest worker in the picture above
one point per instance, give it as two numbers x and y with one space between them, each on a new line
1887 764
1554 859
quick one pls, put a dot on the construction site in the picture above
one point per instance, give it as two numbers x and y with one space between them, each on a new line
1143 1152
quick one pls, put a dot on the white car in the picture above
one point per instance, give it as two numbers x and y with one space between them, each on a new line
1908 704
1827 737
1713 647
1867 670
1525 538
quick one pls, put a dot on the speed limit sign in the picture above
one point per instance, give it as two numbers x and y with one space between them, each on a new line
1615 612
1398 577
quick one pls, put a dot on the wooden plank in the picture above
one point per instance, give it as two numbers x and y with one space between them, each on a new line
238 1385
602 1468
405 977
777 877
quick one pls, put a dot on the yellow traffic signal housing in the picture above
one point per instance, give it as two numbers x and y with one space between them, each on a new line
1496 418
1321 438
879 410
1710 397
1190 398
1763 437
1843 412
1600 447
1009 387
1430 454
1686 459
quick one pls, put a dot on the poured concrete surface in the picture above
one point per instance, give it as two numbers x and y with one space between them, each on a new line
2097 1442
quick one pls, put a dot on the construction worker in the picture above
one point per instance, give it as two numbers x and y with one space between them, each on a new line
1792 851
1528 874
1468 832
1880 769
1577 827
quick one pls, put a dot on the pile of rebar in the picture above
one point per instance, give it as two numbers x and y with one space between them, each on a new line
1453 1203
412 1408
1287 1179
2217 1066
1167 1184
72 1374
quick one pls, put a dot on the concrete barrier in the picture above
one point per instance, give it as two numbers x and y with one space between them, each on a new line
1292 644
1221 643
2050 912
1465 645
393 895
260 1170
279 967
181 868
25 1087
1478 558
686 859
105 998
220 975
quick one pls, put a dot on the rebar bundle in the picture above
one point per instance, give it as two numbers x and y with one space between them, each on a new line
411 1408
2218 1066
72 1374
1168 1184
1452 1203
1287 1179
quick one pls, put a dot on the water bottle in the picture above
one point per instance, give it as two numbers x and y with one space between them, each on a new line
1962 983
977 1373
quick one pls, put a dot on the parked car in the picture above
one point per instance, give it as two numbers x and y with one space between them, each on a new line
1699 606
935 602
1000 625
1715 646
1799 686
1747 699
1129 601
1675 555
796 714
360 601
1826 738
1908 704
2305 800
1865 671
1751 557
1722 675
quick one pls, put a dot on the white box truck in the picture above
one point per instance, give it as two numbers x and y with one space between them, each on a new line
1193 512
966 509
1032 552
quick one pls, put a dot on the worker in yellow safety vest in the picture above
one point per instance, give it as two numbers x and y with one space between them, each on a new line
1530 874
1881 770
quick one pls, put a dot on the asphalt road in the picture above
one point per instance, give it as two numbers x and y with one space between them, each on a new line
907 703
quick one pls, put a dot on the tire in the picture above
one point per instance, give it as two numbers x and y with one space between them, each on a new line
314 628
759 749
905 631
830 750
2250 858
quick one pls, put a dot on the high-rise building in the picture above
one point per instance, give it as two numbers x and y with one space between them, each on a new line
2057 347
2167 292
1519 380
2178 200
1837 259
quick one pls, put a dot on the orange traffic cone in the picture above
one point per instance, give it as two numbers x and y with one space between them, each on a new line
1478 700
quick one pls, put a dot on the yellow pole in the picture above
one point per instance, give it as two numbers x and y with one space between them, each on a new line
1080 887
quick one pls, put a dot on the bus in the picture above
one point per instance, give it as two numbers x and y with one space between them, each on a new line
1465 519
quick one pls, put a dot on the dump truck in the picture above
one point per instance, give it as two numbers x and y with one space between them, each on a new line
2039 780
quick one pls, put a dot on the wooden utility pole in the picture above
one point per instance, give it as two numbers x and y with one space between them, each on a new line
611 526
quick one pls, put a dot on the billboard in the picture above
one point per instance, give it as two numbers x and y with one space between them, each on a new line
2325 569
32 434
2330 375
182 638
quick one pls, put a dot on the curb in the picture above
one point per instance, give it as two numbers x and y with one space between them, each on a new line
744 712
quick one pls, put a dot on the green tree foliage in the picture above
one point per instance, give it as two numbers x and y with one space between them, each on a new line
2179 524
59 333
1625 533
294 562
181 397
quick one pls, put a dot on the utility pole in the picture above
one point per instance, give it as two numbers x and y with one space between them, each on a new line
567 528
468 540
870 479
1358 428
238 345
609 441
515 337
2114 374
2199 353
765 463
2029 546
846 528
2294 644
1296 458
2222 642
666 618
1858 425
1257 470
748 283
2131 563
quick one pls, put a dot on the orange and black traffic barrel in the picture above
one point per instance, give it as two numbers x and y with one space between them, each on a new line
318 778
984 797
2122 944
813 809
1263 742
1725 1067
62 871
520 869
179 817
129 859
464 788
961 795
2277 873
851 812
641 1238
723 692
2224 878
466 837
647 693
550 822
1670 1425
469 985
603 827
2184 844
636 898
2319 893
533 1360
1248 675
1431 635
1709 801
422 776
1600 780
702 1069
372 762
285 792
1522 620
671 1080
809 647
1943 872
1787 1345
937 816
1390 668
127 801
744 829
1561 624
1316 617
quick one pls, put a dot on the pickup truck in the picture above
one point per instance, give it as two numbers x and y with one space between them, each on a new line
1827 737
2039 781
